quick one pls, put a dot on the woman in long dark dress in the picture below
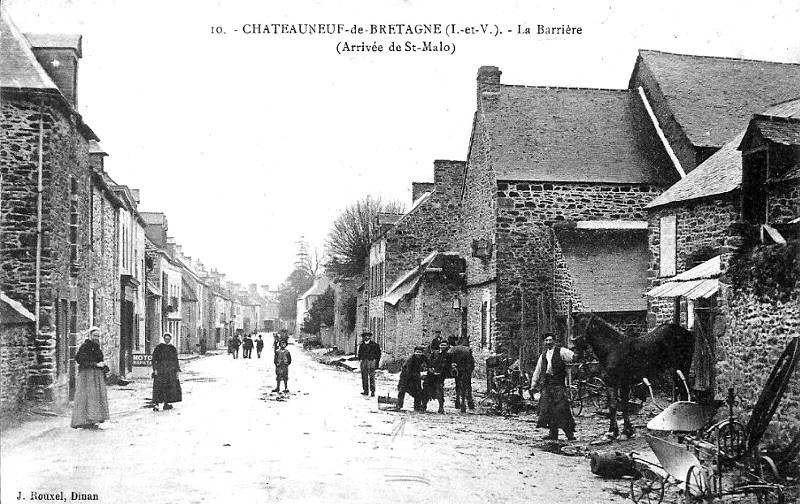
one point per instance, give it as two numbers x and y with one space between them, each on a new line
166 387
91 399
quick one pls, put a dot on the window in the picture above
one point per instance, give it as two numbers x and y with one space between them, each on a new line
667 247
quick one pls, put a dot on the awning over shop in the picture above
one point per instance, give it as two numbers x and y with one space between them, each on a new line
152 290
408 282
696 283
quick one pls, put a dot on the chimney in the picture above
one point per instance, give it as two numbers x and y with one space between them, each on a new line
448 177
59 54
420 188
488 81
135 194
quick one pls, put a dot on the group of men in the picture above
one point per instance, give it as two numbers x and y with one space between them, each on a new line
247 343
437 363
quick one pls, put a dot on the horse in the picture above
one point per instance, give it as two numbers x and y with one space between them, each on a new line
625 361
463 364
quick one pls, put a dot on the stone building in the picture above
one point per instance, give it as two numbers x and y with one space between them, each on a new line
724 249
422 301
131 247
164 275
16 352
404 241
46 211
104 264
548 171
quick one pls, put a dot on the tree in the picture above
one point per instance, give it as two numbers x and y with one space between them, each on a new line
320 313
307 261
349 239
295 284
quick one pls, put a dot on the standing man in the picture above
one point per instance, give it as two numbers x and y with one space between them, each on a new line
437 339
259 346
369 356
554 411
247 345
439 368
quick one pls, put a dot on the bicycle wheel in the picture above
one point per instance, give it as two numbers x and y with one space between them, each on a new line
596 390
575 400
649 488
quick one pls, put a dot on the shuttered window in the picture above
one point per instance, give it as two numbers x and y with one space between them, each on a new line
667 248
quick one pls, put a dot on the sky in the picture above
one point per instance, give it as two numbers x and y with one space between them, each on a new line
251 142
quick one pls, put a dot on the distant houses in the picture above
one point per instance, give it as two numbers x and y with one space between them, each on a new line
77 250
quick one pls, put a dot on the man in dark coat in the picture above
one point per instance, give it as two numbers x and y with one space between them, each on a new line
259 346
166 387
554 411
247 347
437 339
439 368
410 379
233 346
369 356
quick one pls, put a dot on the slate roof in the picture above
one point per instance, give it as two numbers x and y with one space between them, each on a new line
571 135
712 98
783 132
779 124
608 268
787 110
56 41
21 70
719 174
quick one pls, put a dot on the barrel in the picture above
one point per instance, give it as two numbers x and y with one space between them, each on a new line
612 464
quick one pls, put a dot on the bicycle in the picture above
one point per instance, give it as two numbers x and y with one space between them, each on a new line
586 389
506 396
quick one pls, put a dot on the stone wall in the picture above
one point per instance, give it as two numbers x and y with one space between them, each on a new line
703 227
528 258
755 330
415 318
65 166
16 357
478 222
104 274
784 202
432 226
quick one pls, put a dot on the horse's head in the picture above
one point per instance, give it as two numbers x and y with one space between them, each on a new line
581 322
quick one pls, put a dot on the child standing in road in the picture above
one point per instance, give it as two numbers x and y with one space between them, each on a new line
282 360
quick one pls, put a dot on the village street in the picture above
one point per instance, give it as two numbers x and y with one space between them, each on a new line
232 440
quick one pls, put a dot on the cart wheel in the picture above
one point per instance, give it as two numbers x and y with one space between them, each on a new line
767 470
596 388
575 401
698 485
731 440
649 488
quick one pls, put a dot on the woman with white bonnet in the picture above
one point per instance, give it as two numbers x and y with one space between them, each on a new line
91 400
